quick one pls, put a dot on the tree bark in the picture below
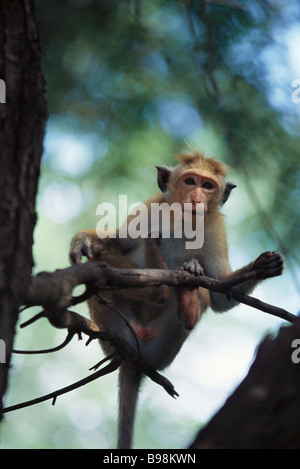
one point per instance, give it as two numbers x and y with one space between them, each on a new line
22 123
263 412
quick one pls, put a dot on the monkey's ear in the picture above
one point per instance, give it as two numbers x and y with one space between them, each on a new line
227 191
163 175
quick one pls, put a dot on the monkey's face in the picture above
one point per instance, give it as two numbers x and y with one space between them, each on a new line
195 188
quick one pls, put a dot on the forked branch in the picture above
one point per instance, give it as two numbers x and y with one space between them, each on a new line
54 292
55 289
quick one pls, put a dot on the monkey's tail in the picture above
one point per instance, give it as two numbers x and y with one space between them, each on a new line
129 384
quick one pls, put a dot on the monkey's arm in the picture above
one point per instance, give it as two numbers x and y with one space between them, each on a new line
87 243
268 264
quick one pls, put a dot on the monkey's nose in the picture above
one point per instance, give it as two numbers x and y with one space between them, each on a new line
195 202
196 197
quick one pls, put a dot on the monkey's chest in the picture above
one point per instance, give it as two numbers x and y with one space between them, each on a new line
176 253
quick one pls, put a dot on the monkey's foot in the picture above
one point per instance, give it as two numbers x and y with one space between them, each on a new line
193 267
268 264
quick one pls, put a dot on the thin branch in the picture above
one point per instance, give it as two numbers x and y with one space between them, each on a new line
112 366
54 292
267 308
33 319
49 350
55 289
116 361
105 359
116 310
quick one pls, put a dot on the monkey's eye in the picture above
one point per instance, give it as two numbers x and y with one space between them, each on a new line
189 181
207 185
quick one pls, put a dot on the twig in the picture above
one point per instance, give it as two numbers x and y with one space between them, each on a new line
112 366
33 319
49 350
55 289
116 361
267 308
116 310
54 292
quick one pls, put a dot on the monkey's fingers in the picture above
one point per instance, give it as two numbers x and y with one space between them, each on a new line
269 264
87 251
193 267
270 272
74 258
266 258
261 260
79 248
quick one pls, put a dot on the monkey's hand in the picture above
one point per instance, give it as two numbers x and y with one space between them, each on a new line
193 267
268 264
85 243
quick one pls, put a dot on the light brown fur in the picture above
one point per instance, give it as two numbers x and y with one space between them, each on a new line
167 324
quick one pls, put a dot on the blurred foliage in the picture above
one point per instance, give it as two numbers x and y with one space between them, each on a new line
129 84
132 82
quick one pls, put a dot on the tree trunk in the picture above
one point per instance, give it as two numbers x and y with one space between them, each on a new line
263 412
22 121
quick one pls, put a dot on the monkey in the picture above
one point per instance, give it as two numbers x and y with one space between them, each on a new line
135 309
146 321
195 180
